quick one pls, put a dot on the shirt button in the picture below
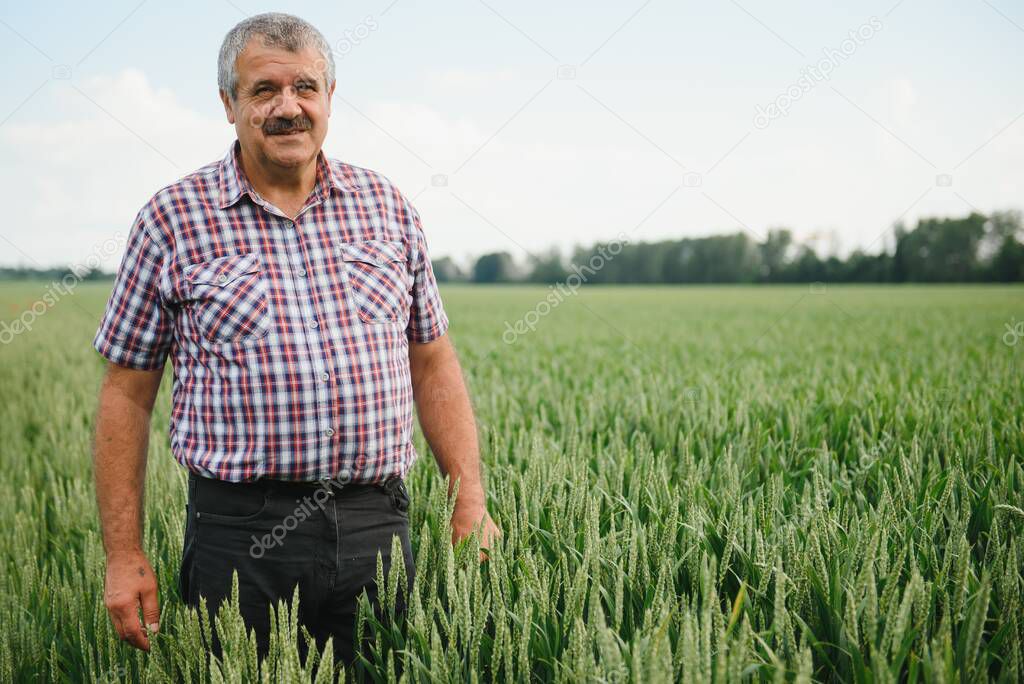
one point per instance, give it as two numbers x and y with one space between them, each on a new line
313 324
223 279
344 475
325 376
302 272
329 432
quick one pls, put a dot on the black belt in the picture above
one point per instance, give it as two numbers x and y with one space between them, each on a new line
393 486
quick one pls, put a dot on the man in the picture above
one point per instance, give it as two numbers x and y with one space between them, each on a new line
295 298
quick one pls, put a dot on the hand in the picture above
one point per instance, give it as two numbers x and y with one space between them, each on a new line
468 518
131 585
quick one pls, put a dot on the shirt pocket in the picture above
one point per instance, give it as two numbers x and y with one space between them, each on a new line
228 298
378 280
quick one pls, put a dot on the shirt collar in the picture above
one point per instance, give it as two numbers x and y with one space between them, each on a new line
233 183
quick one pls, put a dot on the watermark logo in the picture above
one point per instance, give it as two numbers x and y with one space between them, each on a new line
118 673
59 289
305 510
811 76
558 293
1014 333
353 38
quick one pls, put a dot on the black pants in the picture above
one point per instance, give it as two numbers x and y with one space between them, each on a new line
279 535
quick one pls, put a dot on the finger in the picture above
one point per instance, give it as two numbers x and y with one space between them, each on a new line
131 627
118 626
151 609
491 533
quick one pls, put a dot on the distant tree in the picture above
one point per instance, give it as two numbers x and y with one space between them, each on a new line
775 251
447 271
733 259
94 274
950 249
807 267
54 274
1004 232
547 268
865 268
1008 263
643 262
496 267
900 258
941 249
936 250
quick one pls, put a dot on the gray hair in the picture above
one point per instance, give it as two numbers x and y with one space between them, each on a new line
277 30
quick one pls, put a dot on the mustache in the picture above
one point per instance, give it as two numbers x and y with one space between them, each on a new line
279 125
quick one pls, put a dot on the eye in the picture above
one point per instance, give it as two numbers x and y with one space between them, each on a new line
304 86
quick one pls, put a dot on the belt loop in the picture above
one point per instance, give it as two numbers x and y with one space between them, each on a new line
328 484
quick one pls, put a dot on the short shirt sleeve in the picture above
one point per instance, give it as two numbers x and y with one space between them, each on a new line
136 328
427 319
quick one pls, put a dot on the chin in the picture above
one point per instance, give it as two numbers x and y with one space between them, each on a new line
289 160
290 153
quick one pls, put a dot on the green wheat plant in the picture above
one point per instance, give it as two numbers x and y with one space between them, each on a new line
693 484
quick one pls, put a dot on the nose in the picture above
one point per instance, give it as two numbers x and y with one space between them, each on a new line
287 105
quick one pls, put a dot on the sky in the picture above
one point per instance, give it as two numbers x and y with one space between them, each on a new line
521 126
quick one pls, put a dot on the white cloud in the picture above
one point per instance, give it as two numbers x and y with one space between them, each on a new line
563 171
76 181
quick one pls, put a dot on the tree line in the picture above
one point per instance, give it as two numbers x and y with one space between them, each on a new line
974 248
53 274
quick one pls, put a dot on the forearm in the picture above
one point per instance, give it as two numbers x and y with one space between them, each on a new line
446 417
119 462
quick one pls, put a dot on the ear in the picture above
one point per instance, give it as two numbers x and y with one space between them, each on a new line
330 96
228 107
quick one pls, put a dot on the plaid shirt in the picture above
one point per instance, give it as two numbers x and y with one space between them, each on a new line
289 341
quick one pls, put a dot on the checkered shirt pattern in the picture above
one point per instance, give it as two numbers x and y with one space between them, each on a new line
289 340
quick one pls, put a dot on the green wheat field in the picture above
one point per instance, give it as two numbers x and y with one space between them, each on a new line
694 484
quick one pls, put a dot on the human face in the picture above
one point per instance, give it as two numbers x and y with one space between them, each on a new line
282 105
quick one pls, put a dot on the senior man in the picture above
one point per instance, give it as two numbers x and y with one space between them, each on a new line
295 298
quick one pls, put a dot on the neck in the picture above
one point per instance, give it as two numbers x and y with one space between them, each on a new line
276 182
